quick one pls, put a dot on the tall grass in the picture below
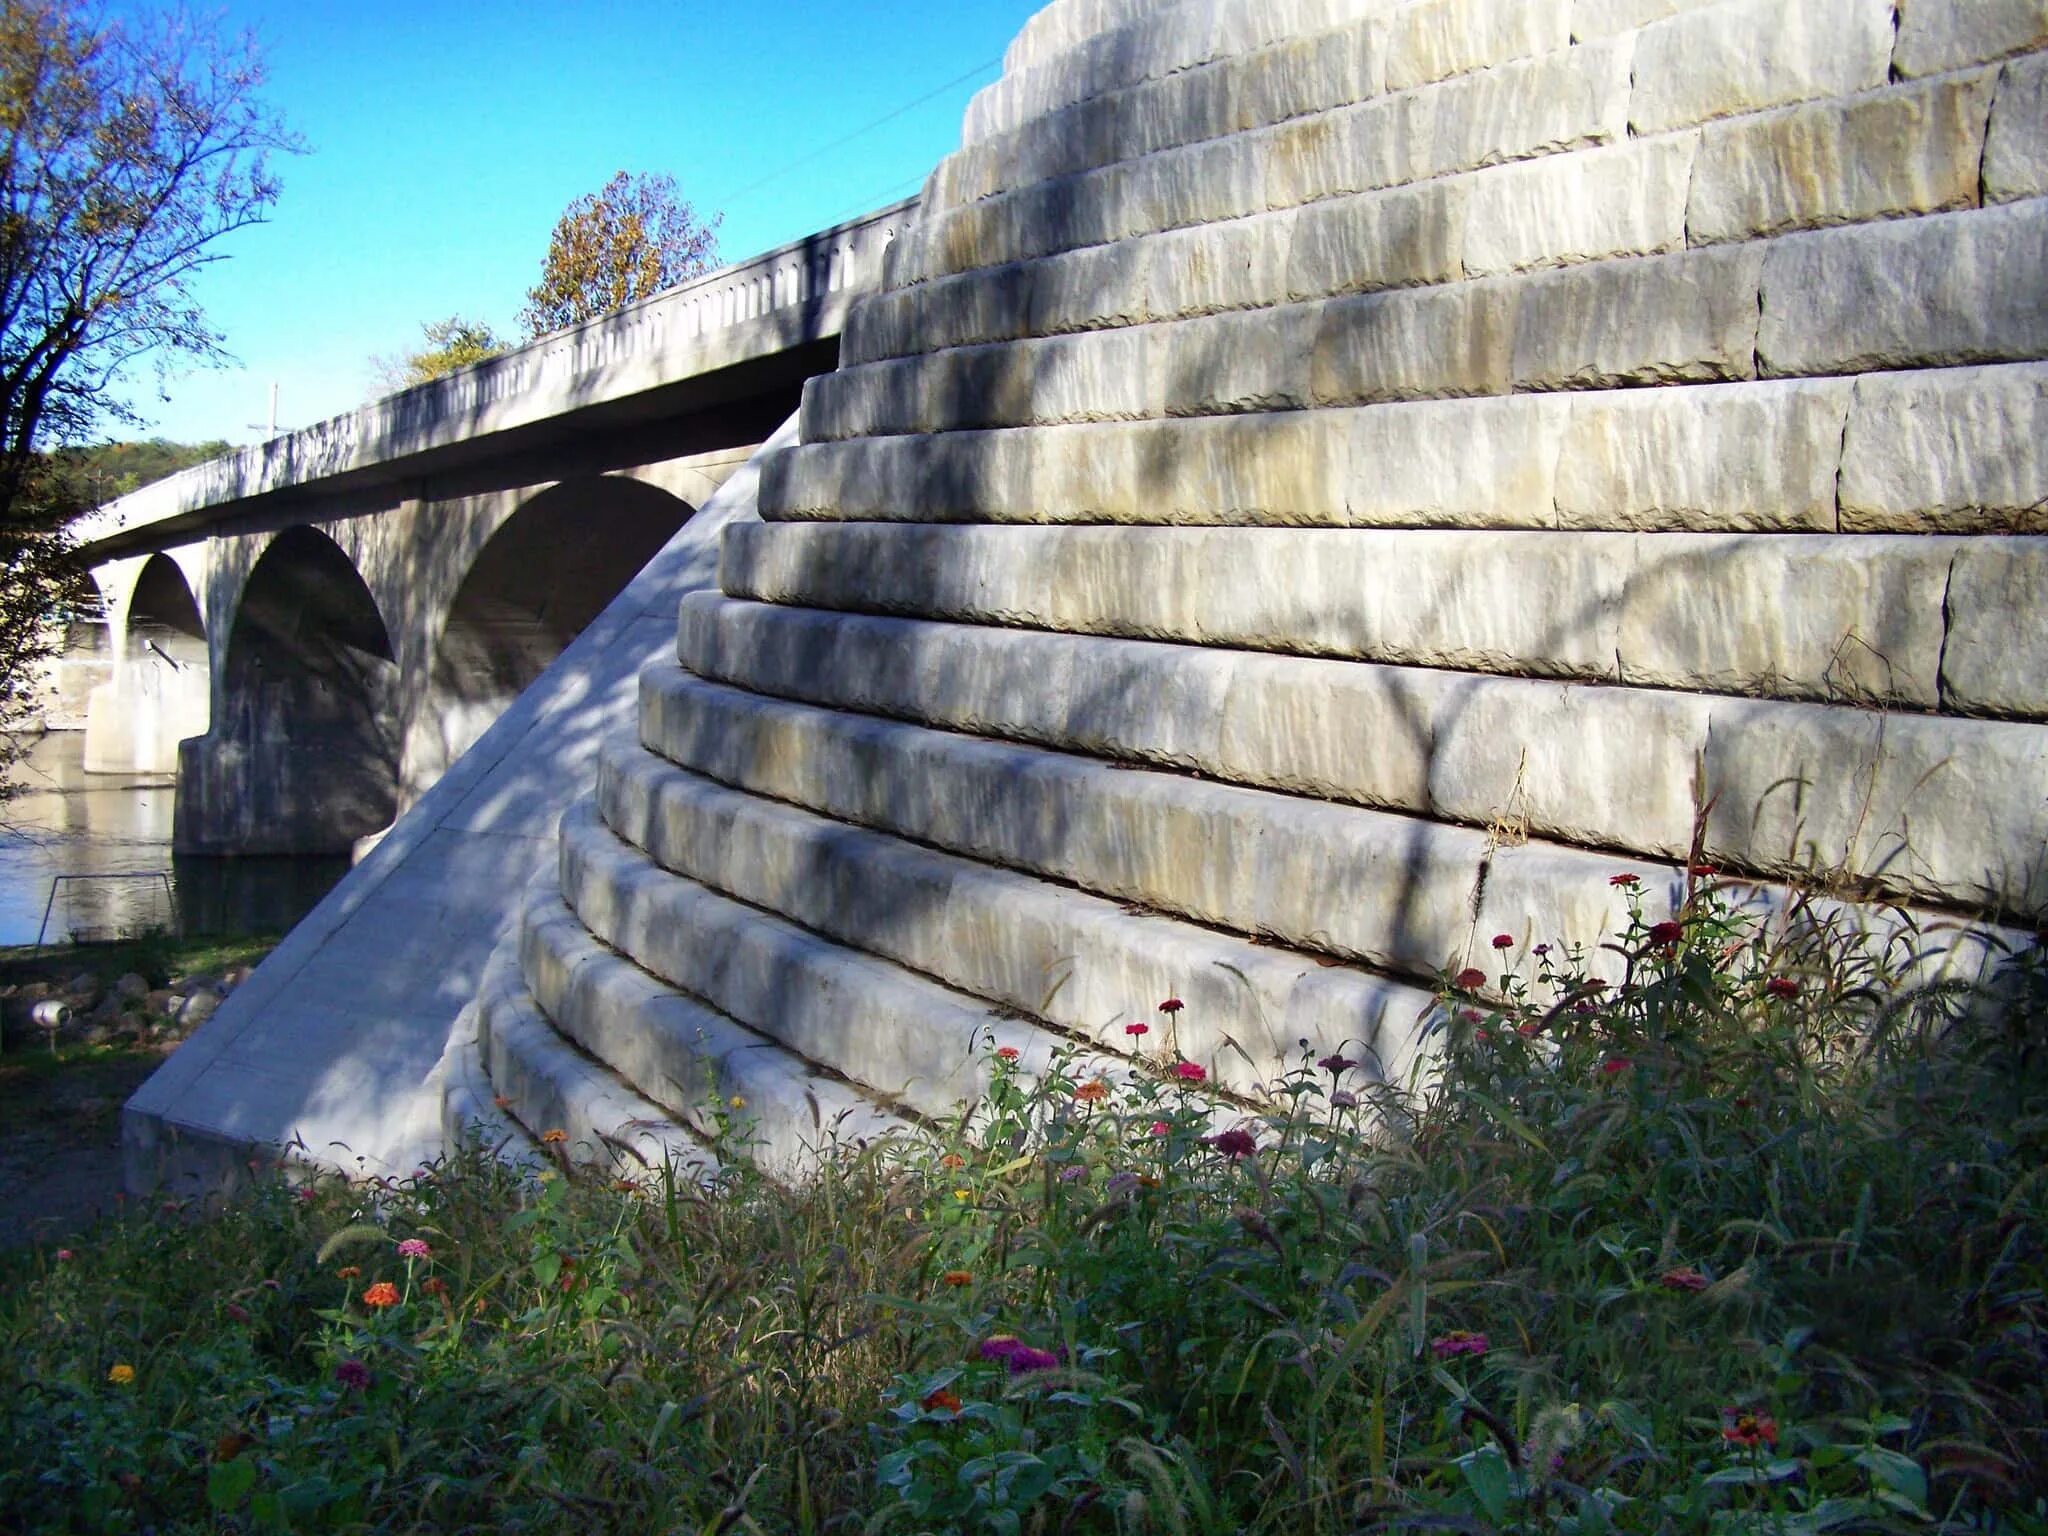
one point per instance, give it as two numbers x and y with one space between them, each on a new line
1751 1240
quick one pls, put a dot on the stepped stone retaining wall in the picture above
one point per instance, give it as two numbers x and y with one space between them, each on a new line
1324 482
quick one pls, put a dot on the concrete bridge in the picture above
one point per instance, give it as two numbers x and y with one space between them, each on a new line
310 631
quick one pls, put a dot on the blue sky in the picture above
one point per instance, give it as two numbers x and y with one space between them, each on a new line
447 138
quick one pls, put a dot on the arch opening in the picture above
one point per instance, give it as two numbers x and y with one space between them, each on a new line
547 572
160 690
303 757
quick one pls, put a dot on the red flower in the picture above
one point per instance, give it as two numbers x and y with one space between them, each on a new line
1666 933
1529 1029
1684 1278
1469 979
1782 986
237 1313
1234 1143
957 1277
1459 1342
1190 1072
1503 941
939 1401
382 1294
1137 1029
1172 1005
1614 1066
1007 1053
1749 1429
1336 1063
434 1285
1624 880
1702 871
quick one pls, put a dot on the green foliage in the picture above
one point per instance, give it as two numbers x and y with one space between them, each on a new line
450 344
99 472
630 240
1748 1240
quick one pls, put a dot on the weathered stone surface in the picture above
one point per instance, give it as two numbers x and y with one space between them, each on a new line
1915 149
1666 319
1394 239
1948 450
1503 474
1436 38
1748 55
1949 34
1787 616
1944 289
1076 960
1997 656
1625 200
1731 456
2016 150
1604 18
1947 809
1454 340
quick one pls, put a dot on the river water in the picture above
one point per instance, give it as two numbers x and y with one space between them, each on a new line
67 822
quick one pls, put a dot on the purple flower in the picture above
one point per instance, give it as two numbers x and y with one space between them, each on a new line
1000 1346
1076 1171
1343 1100
1336 1063
1459 1342
1024 1358
352 1373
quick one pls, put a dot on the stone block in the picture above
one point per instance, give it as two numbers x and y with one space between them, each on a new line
1945 809
1749 55
2016 150
1948 450
1996 661
1625 200
1395 239
1690 317
1915 149
1241 264
1502 474
1939 290
1787 615
1604 18
1256 360
1718 456
1414 345
1099 288
1437 38
1936 35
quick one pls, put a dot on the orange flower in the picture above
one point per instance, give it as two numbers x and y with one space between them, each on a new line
501 1101
382 1294
554 1137
1092 1092
940 1401
952 1160
958 1277
434 1285
347 1272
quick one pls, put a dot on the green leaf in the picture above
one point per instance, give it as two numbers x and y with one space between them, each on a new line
1486 1473
229 1482
1899 1474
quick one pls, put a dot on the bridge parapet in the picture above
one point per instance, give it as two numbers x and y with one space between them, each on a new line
782 299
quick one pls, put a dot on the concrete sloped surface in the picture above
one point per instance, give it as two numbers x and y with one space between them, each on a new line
339 1042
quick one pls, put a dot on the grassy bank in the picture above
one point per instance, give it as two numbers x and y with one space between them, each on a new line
1751 1240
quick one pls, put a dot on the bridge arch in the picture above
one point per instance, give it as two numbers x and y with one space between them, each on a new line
303 755
543 575
160 690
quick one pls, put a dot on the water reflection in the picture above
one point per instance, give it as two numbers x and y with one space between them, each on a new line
66 821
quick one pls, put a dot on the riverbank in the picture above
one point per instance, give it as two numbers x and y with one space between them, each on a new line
61 1090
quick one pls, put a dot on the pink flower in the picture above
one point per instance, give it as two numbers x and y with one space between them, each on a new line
1190 1072
1503 941
1172 1005
1343 1100
1161 1128
1459 1342
414 1248
1614 1066
305 1192
1137 1029
65 1255
1470 979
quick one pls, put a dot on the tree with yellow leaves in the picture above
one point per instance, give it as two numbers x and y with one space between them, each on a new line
630 240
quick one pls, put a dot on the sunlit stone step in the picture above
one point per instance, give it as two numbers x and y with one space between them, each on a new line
470 1115
716 1076
1079 961
886 1028
549 1085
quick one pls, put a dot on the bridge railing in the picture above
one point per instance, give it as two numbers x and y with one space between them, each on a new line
785 297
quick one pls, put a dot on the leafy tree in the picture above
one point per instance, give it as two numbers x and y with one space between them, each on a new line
128 148
450 344
99 473
632 239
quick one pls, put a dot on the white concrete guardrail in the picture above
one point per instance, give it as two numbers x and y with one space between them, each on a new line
787 297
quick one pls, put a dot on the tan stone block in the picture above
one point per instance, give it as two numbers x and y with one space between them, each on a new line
1915 149
1628 199
2016 151
1682 318
1253 360
1787 615
1728 456
1241 264
1605 18
1414 344
1997 656
1942 289
1948 450
1935 35
1438 38
1395 239
1748 55
1941 808
1397 474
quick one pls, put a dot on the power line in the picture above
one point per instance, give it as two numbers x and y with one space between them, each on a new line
886 117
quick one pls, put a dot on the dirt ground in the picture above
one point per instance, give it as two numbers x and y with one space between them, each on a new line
60 1141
